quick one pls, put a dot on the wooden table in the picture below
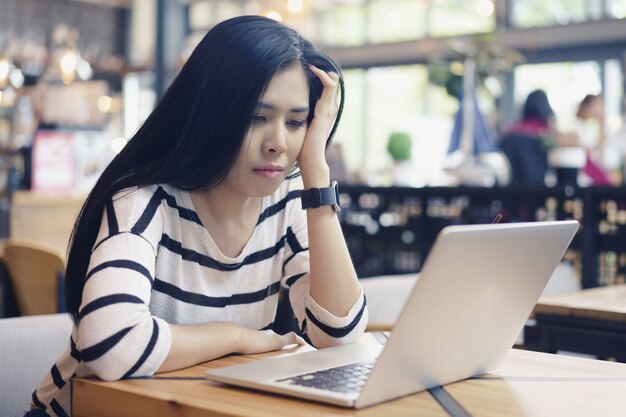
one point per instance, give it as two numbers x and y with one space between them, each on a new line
591 321
527 384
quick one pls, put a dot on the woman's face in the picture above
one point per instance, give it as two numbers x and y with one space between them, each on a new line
275 136
594 109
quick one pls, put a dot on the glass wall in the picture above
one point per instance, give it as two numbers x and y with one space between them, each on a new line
408 96
342 25
566 83
616 9
539 13
382 21
381 101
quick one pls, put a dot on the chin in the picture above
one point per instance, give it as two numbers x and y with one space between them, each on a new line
263 189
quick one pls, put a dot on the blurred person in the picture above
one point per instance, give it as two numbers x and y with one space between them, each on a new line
525 143
180 250
590 133
616 150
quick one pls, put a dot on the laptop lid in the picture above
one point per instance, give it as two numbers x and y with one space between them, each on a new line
477 288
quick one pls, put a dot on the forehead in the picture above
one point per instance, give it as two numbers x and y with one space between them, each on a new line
288 87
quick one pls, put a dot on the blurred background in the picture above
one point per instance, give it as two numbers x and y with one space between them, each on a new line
456 111
78 78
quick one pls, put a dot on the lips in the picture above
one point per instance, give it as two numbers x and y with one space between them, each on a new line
270 171
269 168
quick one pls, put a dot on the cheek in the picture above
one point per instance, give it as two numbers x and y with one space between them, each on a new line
298 142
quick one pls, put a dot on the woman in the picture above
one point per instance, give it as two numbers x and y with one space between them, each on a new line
589 128
180 249
525 143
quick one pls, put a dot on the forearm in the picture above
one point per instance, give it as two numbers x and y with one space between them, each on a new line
193 344
334 284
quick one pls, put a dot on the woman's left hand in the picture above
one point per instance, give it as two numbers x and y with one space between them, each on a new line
312 155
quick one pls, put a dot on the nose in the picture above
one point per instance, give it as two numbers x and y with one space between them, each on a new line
276 139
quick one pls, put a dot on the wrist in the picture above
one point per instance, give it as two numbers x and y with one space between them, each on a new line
312 198
315 176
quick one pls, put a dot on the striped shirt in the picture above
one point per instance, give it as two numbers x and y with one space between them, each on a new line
154 263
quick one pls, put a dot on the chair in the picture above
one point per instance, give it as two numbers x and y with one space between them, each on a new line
386 296
29 346
36 273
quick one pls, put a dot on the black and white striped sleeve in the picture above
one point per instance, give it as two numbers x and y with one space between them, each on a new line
119 337
322 328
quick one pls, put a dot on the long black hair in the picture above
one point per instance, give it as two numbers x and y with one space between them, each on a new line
194 135
537 106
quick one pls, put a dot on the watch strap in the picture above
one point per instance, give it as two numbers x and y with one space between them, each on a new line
318 197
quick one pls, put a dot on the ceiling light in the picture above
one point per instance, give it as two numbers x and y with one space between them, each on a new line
104 104
5 70
69 61
273 14
16 77
118 144
294 6
484 7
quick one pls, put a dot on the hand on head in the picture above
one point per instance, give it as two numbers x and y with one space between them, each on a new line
325 112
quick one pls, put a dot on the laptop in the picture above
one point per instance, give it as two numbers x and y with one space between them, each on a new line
476 290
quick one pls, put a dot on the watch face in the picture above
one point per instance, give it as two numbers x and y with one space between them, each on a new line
336 205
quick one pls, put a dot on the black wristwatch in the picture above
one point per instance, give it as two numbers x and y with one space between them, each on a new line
318 197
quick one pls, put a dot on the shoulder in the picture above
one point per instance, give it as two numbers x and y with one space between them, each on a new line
140 204
149 194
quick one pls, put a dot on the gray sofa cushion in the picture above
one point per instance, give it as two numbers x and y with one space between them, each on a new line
29 346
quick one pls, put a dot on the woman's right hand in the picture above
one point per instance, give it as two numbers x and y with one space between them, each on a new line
259 341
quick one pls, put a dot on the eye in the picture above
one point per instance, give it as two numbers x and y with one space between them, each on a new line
295 123
257 118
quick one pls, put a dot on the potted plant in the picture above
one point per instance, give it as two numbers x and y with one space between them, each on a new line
399 146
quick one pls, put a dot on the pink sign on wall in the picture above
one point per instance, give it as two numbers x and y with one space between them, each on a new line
53 161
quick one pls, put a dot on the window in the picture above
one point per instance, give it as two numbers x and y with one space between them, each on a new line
457 17
392 21
342 25
566 83
380 21
616 9
351 132
540 13
384 100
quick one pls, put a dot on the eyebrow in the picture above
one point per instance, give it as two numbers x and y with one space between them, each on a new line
268 106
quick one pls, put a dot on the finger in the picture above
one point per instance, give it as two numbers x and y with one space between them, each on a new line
327 103
328 79
300 340
297 339
292 339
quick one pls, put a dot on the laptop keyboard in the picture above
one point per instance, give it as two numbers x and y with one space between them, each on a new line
345 379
